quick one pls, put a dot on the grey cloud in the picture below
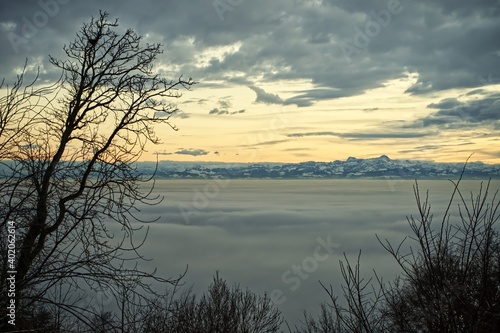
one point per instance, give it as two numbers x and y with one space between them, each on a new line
365 136
297 149
266 143
178 114
456 114
476 92
216 111
238 112
182 151
265 97
309 97
300 135
375 136
192 152
429 147
434 147
300 101
447 44
224 104
447 103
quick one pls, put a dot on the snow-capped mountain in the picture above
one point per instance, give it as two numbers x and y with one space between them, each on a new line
380 167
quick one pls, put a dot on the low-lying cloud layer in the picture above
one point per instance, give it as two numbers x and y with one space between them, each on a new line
253 232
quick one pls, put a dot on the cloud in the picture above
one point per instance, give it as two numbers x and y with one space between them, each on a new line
364 136
309 97
224 104
434 147
216 111
275 229
266 143
453 113
192 152
239 111
182 151
447 103
223 109
178 114
303 134
265 97
443 44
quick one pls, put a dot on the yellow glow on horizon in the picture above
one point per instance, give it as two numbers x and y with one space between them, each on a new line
262 132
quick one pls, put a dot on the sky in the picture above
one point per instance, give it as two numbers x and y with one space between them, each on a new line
300 80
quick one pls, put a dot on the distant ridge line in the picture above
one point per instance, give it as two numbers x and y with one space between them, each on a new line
352 167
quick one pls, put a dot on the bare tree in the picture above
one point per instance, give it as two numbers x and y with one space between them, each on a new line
68 181
449 282
221 309
362 310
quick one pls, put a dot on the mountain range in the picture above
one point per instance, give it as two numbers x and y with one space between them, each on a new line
379 167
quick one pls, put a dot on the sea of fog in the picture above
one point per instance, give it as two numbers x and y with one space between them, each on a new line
283 236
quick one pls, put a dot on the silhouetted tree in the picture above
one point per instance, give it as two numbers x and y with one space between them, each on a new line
220 309
452 284
68 180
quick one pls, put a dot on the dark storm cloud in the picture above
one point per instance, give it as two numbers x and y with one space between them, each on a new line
447 44
455 114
